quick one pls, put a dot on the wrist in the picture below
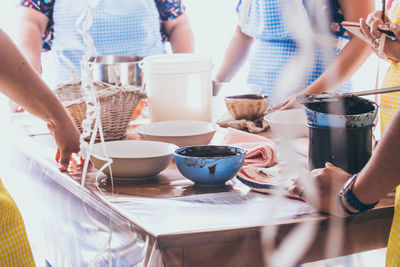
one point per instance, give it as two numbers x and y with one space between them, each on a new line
349 203
59 118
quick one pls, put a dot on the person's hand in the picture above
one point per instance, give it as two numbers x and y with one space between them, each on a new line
369 28
392 47
289 103
67 138
322 189
395 29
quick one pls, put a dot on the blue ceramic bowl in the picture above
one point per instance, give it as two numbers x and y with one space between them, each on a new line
209 165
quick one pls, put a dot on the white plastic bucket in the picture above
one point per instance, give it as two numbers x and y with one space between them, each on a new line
179 87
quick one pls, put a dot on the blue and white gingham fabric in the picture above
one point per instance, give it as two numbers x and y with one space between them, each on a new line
275 47
119 27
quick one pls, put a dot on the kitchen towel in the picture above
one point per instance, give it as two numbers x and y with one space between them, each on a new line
261 151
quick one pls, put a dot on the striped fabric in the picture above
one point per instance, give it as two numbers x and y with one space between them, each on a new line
274 49
130 27
389 103
14 245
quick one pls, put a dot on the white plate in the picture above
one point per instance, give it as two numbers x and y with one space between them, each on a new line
181 132
265 180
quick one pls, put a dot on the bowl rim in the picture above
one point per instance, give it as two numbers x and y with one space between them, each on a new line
344 115
102 157
140 129
108 60
244 96
242 152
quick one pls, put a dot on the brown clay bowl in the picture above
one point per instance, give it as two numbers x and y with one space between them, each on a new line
247 106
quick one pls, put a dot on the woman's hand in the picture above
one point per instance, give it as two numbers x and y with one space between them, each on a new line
67 138
322 189
369 28
289 103
392 47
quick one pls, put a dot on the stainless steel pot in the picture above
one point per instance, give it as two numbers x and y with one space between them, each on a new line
117 69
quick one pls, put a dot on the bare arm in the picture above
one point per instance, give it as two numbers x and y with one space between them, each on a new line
352 55
31 27
380 175
235 55
21 83
349 59
180 34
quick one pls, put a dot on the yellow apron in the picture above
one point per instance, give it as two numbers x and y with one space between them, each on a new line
389 103
14 245
393 249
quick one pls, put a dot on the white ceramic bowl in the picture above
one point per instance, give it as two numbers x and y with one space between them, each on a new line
288 124
133 159
181 132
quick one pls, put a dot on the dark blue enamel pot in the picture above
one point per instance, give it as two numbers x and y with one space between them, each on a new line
349 112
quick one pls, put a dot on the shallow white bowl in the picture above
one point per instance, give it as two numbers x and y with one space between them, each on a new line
288 124
181 132
133 159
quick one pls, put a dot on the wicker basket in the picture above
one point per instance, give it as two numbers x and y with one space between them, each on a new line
117 105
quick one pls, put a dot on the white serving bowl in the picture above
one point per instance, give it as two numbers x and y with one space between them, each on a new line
133 159
180 132
288 124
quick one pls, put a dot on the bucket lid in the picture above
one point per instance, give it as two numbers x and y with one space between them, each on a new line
176 63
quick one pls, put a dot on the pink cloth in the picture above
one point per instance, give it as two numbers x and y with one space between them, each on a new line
261 151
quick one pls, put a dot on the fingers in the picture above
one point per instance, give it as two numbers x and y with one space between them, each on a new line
319 188
58 155
365 30
65 157
328 164
63 165
281 105
374 28
377 15
395 29
369 28
296 190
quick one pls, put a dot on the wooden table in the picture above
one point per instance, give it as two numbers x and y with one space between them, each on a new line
71 224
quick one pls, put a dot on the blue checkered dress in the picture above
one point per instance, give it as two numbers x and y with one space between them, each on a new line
128 27
275 48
